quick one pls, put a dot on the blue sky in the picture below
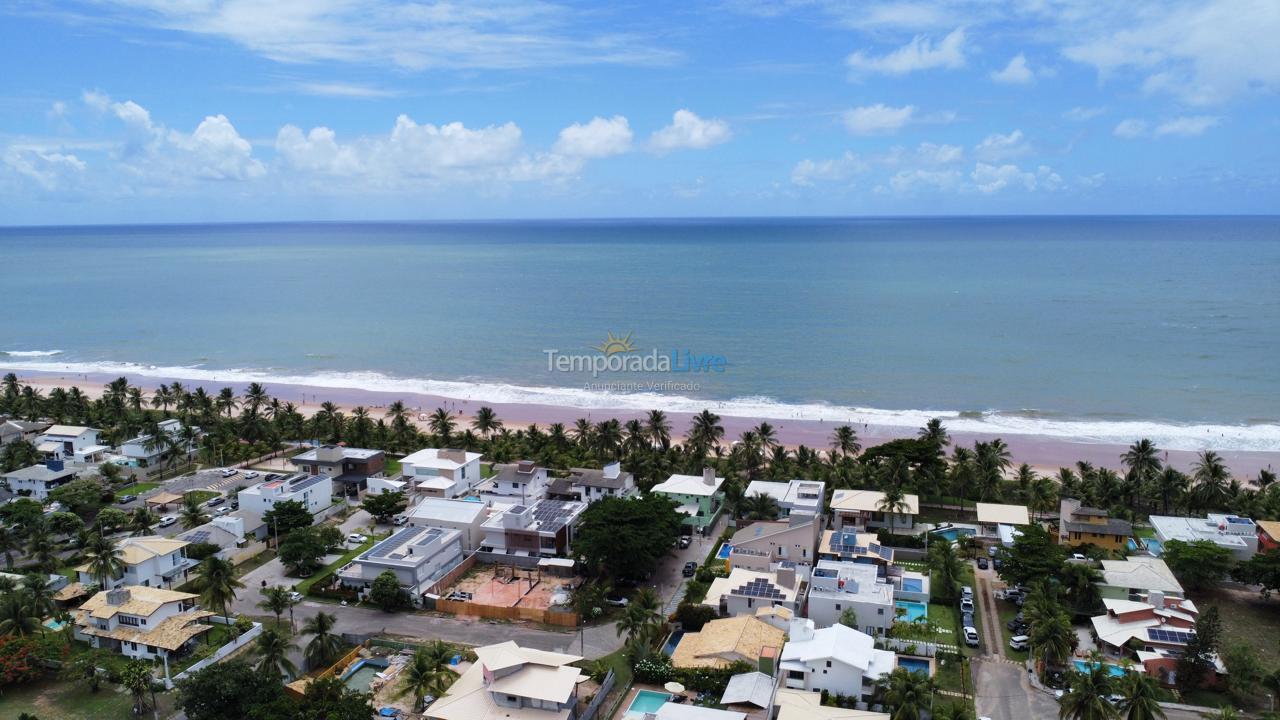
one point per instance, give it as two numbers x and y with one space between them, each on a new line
220 110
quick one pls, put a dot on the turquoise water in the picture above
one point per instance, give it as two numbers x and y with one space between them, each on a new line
915 611
912 584
1154 546
646 701
953 534
54 625
953 315
914 664
724 551
1112 669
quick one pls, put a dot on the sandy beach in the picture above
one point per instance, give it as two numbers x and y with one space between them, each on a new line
1043 453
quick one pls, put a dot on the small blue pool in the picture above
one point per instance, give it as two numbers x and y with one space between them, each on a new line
1154 546
723 553
912 611
913 585
952 533
359 675
646 701
916 665
672 642
54 625
1112 670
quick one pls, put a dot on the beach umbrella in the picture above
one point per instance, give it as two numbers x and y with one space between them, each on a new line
674 687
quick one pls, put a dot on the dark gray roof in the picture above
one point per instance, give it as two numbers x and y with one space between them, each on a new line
1086 511
40 472
595 478
560 486
1113 526
522 471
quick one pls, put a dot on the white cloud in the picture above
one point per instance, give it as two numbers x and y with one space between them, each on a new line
919 54
317 151
688 131
993 178
345 90
939 154
1186 126
1083 114
597 138
96 100
907 181
1130 128
809 172
154 153
1015 73
50 170
1000 147
877 119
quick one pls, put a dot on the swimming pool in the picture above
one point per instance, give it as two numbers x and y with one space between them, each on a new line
362 673
914 585
723 553
672 642
1154 546
917 665
913 611
646 701
54 625
1112 670
952 533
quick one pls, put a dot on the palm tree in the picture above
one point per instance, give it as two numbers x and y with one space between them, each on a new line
137 678
273 646
40 591
706 431
1143 460
933 431
658 428
17 616
759 506
9 542
1170 484
766 435
442 423
40 545
583 432
226 402
894 502
106 561
162 398
192 513
142 520
217 583
275 600
1086 698
1141 697
1052 639
428 673
324 646
908 693
1042 495
486 422
1211 476
844 442
945 568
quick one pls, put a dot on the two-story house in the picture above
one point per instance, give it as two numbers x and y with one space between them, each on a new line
142 452
698 498
523 481
465 516
860 510
1137 578
141 622
1231 532
349 467
761 545
72 443
746 591
839 587
37 481
1083 525
150 561
315 492
591 485
419 557
543 529
442 473
797 497
837 659
14 430
509 681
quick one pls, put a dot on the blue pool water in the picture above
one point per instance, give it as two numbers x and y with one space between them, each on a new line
646 701
914 665
1113 670
725 549
1133 546
914 585
1154 546
915 612
953 533
672 642
54 625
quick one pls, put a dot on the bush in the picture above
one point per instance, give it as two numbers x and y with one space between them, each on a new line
655 670
884 537
711 680
200 551
692 617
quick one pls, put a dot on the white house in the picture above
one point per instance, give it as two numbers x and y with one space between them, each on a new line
226 532
36 481
442 473
745 591
141 622
543 529
418 556
522 481
837 659
139 453
1235 533
859 510
465 516
315 492
509 681
73 443
762 544
800 497
591 485
150 561
840 586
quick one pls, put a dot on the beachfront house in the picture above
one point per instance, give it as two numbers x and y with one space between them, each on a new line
837 659
1235 533
761 545
315 492
590 485
855 547
745 591
442 473
839 587
72 444
1083 525
150 561
13 430
37 481
699 498
861 510
999 521
523 481
1138 578
798 497
142 452
543 529
509 681
465 516
349 467
146 623
722 642
419 557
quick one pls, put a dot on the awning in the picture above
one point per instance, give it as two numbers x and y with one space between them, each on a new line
164 498
49 447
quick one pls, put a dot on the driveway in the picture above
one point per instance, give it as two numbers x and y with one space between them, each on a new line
1005 693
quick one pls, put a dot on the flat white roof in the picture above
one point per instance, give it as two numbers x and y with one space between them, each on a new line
430 457
1003 514
869 501
448 510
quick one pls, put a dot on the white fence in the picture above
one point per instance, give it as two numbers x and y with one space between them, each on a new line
922 648
223 651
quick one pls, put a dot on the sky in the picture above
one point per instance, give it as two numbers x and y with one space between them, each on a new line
154 111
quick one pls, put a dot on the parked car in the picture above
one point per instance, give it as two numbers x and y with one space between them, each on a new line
250 475
966 604
357 539
400 519
997 564
971 636
966 620
125 500
1080 557
1014 623
617 601
966 592
295 596
690 569
685 541
215 502
982 563
222 511
1019 642
228 472
992 550
167 520
235 504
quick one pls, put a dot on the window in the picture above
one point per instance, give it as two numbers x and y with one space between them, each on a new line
129 620
828 663
879 611
837 606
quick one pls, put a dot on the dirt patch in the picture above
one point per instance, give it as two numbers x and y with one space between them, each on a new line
502 586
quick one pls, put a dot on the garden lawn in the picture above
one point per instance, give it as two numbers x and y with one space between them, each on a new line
202 496
1008 611
950 676
136 489
72 701
1248 619
304 587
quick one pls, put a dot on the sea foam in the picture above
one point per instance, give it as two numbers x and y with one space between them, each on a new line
30 353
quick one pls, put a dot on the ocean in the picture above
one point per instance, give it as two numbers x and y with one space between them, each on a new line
1104 328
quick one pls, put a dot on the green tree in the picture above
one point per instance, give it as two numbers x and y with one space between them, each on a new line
83 496
17 614
627 537
1141 697
759 506
428 673
383 505
1197 660
386 592
273 648
486 422
1199 564
1035 554
217 583
137 679
192 513
844 442
87 666
1086 695
909 694
285 517
301 552
1080 583
1262 569
1051 640
324 645
230 689
894 502
945 570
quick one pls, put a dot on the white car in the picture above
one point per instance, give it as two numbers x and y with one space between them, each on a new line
991 551
222 511
167 520
401 519
971 636
295 596
357 539
228 472
966 592
966 605
1019 642
250 475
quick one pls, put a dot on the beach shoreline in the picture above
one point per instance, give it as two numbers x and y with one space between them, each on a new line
1044 453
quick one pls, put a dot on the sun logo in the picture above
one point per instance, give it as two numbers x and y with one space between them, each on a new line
614 345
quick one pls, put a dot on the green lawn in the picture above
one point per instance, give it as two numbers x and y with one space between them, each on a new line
1248 619
136 489
949 674
391 468
202 495
486 470
1008 611
1144 532
71 701
305 586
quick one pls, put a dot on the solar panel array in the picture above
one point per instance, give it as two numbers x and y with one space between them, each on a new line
1169 636
553 514
393 543
199 536
761 588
